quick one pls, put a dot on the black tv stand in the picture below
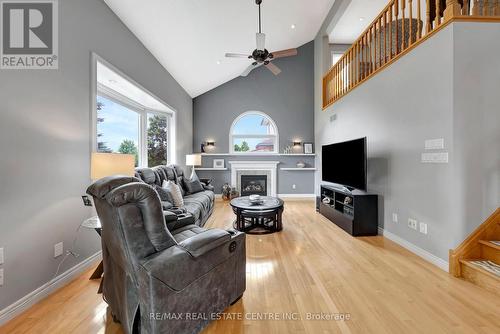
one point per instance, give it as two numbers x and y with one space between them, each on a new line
356 212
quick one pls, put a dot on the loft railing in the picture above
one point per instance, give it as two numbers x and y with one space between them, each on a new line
397 29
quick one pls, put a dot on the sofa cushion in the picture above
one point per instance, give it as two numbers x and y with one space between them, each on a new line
186 232
179 176
192 185
146 174
175 193
199 204
165 195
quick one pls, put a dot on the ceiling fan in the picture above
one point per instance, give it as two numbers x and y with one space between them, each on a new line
260 55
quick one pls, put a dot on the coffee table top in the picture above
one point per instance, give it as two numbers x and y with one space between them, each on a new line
268 203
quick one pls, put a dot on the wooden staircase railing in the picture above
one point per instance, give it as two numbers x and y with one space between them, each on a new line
395 31
483 245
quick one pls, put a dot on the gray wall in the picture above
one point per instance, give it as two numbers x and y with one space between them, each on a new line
45 142
476 122
442 89
286 98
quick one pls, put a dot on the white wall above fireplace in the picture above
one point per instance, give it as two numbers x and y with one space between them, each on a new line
269 168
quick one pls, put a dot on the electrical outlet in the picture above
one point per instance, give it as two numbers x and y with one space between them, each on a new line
423 228
1 277
1 256
294 186
412 223
58 249
394 217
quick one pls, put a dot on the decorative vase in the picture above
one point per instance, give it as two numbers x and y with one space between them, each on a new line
226 191
301 164
234 193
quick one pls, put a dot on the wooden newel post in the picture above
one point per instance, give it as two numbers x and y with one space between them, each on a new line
453 9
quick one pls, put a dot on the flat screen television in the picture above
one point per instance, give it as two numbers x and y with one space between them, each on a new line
345 163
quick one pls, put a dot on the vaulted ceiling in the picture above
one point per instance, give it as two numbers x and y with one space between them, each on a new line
190 37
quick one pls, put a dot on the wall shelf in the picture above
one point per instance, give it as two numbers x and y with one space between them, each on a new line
261 154
211 169
298 168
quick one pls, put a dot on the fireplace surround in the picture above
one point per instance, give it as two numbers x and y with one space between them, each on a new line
255 168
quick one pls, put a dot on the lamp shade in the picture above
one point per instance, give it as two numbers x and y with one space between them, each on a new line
193 160
106 164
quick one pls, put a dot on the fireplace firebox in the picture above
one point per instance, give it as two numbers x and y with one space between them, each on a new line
253 185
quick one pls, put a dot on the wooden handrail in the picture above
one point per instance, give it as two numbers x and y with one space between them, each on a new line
396 29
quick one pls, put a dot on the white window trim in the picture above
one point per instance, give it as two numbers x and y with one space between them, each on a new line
98 89
233 136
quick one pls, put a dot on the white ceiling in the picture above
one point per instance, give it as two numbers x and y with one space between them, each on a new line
189 37
356 18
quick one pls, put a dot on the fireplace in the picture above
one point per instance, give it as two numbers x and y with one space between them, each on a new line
253 185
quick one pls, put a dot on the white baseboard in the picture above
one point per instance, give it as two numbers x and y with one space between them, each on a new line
35 296
298 196
440 263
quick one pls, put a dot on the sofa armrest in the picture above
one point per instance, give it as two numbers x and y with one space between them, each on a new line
208 187
182 264
205 242
169 216
180 221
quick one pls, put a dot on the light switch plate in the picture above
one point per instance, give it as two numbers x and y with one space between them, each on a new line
1 276
58 249
435 158
1 256
423 228
394 217
434 144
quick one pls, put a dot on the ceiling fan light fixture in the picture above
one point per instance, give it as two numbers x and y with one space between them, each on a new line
261 56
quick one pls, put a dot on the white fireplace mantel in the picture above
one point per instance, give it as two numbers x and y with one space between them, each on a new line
252 166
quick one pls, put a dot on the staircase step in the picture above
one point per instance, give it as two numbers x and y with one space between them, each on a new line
492 244
490 251
482 273
489 266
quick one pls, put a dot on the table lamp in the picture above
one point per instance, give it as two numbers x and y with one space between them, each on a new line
193 160
107 164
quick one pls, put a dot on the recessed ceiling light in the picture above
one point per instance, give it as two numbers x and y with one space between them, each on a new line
361 18
292 26
218 62
112 81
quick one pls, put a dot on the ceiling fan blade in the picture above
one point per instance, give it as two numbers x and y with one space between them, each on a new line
236 55
273 68
284 53
249 69
261 41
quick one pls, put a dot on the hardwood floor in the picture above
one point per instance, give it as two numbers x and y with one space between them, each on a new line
310 267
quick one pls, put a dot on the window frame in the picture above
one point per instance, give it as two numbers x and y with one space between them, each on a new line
263 136
108 93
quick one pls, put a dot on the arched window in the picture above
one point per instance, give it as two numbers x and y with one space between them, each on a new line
253 132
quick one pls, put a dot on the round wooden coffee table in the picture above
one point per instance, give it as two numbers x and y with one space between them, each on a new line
260 218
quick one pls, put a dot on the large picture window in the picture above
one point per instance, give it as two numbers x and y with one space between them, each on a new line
253 132
129 120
